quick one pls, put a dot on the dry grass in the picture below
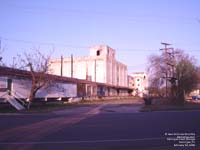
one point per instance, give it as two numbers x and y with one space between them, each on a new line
166 105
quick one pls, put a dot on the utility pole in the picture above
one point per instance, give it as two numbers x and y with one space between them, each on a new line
61 69
172 78
14 62
0 50
0 44
72 61
95 70
169 61
169 55
87 77
117 75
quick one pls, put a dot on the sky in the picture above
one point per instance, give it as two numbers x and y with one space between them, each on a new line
134 28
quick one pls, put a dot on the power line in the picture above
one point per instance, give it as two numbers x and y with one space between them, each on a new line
77 46
43 43
67 45
155 19
53 44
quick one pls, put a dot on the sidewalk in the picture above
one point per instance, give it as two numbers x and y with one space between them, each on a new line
107 106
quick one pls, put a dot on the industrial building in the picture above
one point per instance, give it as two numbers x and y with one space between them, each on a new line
98 75
138 81
100 66
15 86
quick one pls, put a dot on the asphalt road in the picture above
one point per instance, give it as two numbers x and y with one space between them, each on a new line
99 127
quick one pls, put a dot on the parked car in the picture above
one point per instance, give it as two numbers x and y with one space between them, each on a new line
196 97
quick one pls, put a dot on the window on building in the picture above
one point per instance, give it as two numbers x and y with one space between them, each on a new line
98 52
138 85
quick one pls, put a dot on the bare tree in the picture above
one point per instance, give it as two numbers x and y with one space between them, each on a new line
2 49
156 71
1 60
186 74
37 64
1 57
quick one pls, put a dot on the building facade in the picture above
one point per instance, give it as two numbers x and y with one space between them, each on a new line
138 81
100 66
20 81
196 91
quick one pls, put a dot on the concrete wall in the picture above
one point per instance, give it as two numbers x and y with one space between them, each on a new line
22 87
195 92
3 85
100 66
138 81
60 89
3 82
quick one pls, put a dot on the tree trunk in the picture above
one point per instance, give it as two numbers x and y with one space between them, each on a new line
32 93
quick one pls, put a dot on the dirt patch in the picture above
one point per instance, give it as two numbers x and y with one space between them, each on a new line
168 107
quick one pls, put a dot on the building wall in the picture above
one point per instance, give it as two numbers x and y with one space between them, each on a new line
100 66
138 81
196 91
22 87
130 81
58 90
19 82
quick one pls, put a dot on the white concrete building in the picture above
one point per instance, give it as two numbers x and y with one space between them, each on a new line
15 83
138 81
196 91
101 66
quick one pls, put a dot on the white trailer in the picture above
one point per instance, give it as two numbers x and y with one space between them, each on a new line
12 88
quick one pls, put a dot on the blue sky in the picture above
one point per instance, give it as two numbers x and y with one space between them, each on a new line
135 28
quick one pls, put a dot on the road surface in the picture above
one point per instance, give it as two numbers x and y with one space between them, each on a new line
98 127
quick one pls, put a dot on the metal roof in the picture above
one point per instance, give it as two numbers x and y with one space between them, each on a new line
6 71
